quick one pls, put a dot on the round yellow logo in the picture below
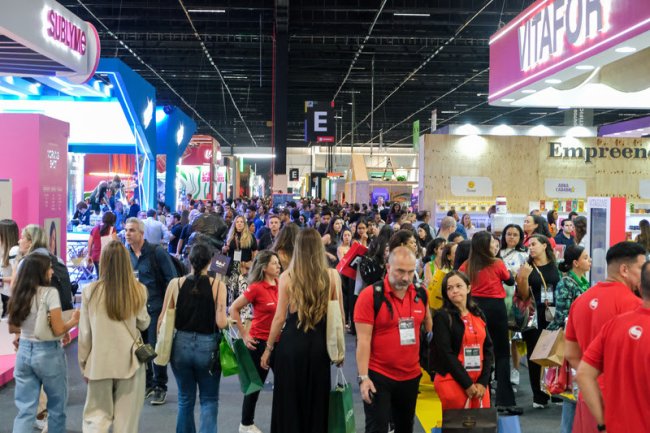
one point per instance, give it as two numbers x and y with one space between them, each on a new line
471 184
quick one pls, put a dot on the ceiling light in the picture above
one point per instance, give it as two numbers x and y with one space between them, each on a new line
640 129
539 113
563 107
625 50
553 81
508 100
408 14
206 11
338 117
255 155
585 67
528 91
449 112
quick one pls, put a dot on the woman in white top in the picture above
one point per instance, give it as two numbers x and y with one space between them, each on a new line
8 253
113 312
38 362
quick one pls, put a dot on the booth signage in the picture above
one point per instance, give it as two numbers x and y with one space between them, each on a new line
319 122
557 28
552 36
294 174
62 30
565 188
462 186
588 153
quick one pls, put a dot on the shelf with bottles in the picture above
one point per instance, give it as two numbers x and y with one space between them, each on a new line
477 211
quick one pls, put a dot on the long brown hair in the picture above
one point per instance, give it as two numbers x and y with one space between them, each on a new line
309 280
246 239
33 274
480 256
8 239
124 296
286 239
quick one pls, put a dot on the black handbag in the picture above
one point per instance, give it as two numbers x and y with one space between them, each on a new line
469 420
144 352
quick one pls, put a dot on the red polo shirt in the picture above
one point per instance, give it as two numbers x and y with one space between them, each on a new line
622 352
264 298
387 356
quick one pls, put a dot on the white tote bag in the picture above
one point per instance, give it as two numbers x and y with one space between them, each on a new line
167 327
335 333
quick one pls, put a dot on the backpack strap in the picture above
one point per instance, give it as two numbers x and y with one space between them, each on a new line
378 298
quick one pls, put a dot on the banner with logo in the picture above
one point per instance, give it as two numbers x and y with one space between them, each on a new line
465 186
565 188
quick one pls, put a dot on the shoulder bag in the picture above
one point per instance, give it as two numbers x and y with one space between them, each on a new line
144 352
335 335
43 327
165 339
549 311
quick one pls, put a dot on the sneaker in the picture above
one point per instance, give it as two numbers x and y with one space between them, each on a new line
41 424
249 429
514 376
159 397
539 406
149 392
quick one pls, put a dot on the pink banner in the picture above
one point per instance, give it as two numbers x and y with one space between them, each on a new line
551 36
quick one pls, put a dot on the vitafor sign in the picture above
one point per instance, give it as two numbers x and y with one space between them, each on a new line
559 150
561 25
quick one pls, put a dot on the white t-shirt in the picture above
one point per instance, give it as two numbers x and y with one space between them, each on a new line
51 300
6 271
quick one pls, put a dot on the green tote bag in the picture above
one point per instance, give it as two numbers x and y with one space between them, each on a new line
341 408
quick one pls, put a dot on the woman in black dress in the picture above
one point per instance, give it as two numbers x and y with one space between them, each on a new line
301 365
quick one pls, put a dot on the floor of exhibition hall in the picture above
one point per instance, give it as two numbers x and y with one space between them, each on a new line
163 418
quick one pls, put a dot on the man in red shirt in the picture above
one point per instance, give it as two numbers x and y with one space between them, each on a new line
604 301
388 349
621 353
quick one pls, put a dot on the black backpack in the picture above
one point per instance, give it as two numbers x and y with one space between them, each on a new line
61 281
179 267
370 270
378 298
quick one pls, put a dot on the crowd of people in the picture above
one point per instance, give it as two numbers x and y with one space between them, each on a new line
442 295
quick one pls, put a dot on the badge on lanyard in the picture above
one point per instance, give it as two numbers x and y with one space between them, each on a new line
472 357
237 256
406 331
547 296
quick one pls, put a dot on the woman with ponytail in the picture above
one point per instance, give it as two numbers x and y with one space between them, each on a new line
200 313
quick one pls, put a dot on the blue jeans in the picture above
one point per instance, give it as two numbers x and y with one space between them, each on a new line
568 413
40 363
190 360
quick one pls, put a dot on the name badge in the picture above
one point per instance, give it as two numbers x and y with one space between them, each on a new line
237 256
406 331
547 296
472 358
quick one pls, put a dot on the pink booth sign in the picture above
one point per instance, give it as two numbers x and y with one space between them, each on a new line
554 35
35 158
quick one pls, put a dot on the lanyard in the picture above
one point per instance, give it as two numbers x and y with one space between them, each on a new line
469 324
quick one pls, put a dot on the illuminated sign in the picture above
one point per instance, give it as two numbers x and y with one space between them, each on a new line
588 153
60 29
561 25
179 134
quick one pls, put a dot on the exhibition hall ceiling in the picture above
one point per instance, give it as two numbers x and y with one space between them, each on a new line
418 55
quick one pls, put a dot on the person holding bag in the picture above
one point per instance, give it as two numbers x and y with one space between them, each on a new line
262 294
99 238
538 278
462 350
113 310
302 364
40 360
200 303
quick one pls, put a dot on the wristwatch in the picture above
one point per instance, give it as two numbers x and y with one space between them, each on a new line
601 427
362 377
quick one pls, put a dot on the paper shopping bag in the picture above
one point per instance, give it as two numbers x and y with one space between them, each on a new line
227 358
549 350
341 409
348 264
249 378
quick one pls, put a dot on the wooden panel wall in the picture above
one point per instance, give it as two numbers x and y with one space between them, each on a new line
518 167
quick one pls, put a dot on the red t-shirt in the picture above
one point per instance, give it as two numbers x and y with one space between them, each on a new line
96 251
622 352
387 356
264 298
489 281
591 310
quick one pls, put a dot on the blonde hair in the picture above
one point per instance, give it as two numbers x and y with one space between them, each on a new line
246 239
124 296
36 235
309 281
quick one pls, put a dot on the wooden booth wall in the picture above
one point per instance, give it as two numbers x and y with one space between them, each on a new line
518 167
